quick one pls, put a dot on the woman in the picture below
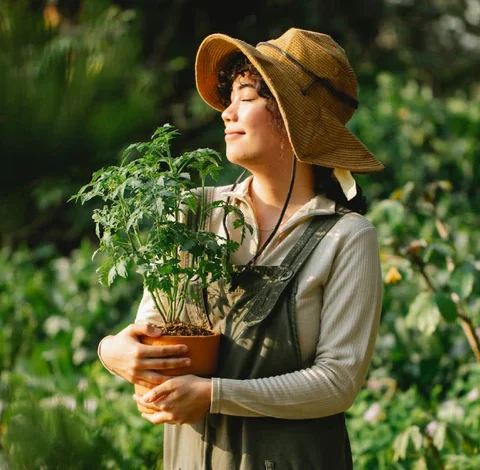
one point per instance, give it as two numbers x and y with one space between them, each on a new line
300 323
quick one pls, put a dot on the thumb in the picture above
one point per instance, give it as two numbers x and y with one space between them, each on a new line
145 329
153 330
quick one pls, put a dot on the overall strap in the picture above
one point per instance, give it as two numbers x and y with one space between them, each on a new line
318 228
270 292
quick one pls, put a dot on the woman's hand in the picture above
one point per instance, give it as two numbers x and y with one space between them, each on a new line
125 355
181 399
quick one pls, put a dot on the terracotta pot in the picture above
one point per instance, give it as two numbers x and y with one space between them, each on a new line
202 351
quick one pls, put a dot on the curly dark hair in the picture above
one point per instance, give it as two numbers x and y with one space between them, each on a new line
325 183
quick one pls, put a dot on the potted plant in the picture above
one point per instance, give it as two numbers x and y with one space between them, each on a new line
147 200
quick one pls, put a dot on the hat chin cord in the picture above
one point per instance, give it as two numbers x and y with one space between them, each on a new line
280 217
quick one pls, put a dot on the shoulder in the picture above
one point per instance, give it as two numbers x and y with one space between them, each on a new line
352 223
352 229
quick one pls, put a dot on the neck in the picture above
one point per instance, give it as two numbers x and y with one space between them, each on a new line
269 191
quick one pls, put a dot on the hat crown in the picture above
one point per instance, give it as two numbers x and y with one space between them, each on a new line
321 54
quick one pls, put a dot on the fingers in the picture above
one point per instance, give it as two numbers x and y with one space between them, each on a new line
161 417
154 407
145 382
160 410
165 363
163 351
152 398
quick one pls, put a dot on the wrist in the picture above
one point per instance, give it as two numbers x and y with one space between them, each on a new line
101 346
215 395
208 394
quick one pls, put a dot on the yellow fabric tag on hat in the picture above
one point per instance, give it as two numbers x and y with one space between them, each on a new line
347 182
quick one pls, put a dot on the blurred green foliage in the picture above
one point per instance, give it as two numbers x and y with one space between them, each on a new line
59 407
70 97
77 88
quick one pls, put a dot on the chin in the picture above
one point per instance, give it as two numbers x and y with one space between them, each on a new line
240 160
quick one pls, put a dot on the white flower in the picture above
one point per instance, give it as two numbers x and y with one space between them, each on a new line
54 324
451 410
90 405
473 394
55 401
373 413
79 356
82 384
78 336
431 427
374 384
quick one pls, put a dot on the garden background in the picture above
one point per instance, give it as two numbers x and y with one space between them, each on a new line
80 80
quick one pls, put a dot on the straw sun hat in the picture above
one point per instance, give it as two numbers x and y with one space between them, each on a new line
316 89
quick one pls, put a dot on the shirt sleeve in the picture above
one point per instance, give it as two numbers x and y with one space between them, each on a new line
147 312
350 315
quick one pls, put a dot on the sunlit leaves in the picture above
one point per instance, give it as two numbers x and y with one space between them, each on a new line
411 436
423 314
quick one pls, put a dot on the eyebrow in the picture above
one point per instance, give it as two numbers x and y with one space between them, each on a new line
241 86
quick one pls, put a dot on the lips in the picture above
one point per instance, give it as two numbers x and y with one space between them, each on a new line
231 134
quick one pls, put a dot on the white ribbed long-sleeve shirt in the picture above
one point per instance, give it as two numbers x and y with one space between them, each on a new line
338 307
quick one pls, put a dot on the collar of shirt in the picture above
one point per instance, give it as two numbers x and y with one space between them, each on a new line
319 205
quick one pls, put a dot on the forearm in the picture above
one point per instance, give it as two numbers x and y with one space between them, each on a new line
305 394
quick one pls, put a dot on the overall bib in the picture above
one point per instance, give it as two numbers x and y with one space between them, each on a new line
258 322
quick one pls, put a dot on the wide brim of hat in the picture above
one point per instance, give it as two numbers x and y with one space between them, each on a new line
211 56
334 147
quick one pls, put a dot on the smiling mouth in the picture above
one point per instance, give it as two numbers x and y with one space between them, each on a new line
231 135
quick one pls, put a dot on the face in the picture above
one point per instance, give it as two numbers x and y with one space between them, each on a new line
253 141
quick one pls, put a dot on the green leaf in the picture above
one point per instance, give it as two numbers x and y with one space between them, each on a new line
433 251
416 437
420 464
447 306
400 446
393 212
440 435
423 314
463 280
122 269
454 437
112 274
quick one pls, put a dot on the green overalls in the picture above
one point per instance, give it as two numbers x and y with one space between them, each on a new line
258 322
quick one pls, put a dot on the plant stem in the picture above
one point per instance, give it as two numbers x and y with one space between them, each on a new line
202 215
467 327
159 307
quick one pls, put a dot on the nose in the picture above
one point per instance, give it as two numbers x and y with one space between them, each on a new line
229 113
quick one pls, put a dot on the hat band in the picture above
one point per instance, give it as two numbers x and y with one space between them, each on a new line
316 78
